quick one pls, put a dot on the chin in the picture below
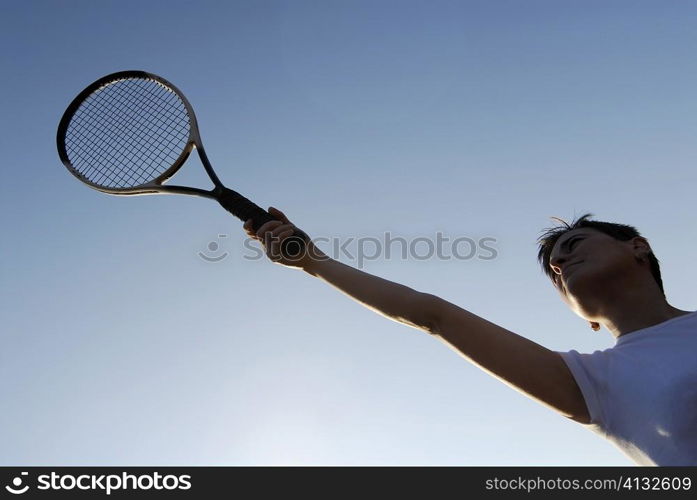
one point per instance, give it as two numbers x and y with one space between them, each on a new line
578 307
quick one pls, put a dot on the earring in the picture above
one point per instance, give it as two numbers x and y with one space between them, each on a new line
595 326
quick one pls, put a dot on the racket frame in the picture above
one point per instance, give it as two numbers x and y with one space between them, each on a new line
155 186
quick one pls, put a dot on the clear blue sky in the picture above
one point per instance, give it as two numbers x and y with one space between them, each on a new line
120 345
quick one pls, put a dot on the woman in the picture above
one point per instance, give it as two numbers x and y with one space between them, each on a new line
640 394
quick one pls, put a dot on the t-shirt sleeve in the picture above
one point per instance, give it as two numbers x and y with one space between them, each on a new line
589 370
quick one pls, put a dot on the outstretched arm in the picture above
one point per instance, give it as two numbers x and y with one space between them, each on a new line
521 363
397 302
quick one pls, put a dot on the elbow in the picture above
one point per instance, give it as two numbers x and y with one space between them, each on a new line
428 318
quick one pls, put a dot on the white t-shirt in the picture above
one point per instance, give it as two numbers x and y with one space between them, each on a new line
642 393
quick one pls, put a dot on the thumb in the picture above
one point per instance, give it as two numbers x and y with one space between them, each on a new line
279 215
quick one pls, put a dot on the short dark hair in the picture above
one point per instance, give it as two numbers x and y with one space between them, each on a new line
621 232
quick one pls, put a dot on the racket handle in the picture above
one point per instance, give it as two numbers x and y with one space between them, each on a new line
244 209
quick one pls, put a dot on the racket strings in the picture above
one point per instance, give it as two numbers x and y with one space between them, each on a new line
157 142
123 128
127 133
89 124
123 118
128 174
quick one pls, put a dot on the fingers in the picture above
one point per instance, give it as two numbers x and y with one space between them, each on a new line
278 214
272 234
274 228
249 228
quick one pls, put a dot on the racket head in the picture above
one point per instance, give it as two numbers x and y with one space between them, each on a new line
127 133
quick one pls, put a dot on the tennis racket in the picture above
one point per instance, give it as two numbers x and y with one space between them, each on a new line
129 132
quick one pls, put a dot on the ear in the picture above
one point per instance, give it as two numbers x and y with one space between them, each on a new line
641 248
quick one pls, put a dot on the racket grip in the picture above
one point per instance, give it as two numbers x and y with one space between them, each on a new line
244 209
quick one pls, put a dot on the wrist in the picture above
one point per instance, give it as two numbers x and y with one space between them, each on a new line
313 259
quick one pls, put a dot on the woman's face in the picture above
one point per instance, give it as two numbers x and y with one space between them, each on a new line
589 264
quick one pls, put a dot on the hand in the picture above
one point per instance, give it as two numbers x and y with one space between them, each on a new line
271 234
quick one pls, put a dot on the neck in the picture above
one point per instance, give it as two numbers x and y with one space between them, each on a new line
638 308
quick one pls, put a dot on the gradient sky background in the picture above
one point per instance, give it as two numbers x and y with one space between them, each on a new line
121 346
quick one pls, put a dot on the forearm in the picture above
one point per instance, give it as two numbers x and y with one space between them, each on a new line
393 300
